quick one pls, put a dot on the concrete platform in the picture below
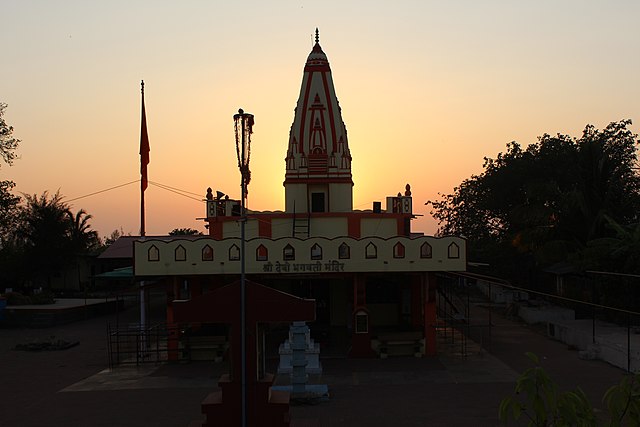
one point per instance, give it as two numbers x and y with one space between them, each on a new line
62 311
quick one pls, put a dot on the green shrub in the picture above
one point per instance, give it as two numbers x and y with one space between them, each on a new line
537 399
44 297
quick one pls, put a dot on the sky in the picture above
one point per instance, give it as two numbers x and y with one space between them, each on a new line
427 90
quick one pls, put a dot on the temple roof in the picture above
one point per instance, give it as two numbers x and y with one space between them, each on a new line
318 146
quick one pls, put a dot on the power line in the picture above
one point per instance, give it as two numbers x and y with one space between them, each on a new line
176 191
157 184
102 191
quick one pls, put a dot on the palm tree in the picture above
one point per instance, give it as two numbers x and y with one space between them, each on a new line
81 238
43 232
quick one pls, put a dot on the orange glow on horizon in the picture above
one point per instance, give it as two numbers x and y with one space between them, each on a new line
427 90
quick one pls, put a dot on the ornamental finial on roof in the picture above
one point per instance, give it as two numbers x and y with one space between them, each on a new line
317 36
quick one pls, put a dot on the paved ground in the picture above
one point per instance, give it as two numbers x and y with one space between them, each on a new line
72 387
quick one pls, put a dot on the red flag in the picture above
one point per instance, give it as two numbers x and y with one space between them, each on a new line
144 147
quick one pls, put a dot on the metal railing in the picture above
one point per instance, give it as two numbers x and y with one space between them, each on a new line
133 345
613 330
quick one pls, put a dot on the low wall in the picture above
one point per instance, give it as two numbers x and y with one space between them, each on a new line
612 342
61 312
544 314
499 294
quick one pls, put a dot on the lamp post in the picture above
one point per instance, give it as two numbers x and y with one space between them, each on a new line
243 130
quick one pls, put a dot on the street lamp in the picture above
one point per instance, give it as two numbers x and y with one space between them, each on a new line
243 130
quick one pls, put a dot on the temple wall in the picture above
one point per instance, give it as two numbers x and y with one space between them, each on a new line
340 197
153 256
381 227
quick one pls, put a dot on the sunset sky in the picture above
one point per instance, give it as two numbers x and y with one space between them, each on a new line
427 89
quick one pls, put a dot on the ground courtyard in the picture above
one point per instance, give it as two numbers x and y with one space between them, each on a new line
73 387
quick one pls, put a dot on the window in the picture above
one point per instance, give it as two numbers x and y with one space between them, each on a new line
153 254
316 252
234 253
398 250
426 251
262 254
362 322
207 253
454 251
344 251
317 202
289 253
180 253
371 251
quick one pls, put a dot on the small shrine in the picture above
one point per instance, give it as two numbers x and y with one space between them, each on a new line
264 405
300 357
299 341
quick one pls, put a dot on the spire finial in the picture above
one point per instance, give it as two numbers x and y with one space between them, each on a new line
142 86
317 36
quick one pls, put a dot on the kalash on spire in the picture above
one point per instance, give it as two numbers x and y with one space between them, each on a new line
318 163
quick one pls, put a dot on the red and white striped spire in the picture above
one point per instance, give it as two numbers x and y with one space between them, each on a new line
318 149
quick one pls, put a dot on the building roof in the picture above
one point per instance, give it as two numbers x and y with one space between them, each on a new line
120 249
117 274
123 247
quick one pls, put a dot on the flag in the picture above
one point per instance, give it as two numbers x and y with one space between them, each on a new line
144 147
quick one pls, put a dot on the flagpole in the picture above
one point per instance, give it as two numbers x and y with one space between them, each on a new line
144 160
143 166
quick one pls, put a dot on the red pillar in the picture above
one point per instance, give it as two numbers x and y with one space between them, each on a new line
195 286
360 338
173 338
417 316
430 314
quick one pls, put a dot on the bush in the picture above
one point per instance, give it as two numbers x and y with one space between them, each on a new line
537 398
42 298
16 298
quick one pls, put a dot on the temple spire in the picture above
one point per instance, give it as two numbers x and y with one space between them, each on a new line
318 161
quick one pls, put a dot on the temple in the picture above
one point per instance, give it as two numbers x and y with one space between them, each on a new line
370 275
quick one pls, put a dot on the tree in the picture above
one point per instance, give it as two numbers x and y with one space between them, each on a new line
10 261
8 211
547 201
115 235
81 238
8 202
185 232
8 144
43 231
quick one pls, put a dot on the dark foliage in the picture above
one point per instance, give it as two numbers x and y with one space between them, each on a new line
553 201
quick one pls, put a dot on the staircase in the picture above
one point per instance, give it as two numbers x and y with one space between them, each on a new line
301 224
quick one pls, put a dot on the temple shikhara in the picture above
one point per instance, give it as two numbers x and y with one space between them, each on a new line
372 278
